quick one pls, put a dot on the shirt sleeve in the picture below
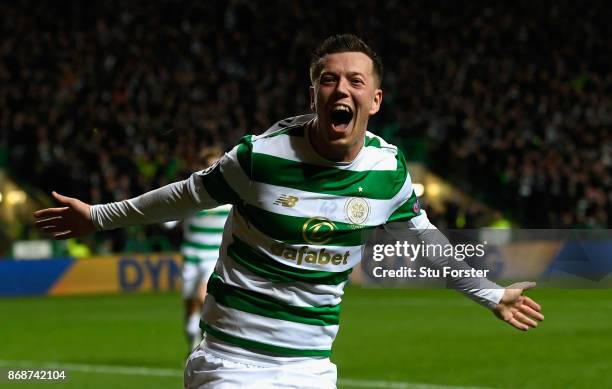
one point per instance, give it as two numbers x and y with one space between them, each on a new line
408 221
420 229
222 183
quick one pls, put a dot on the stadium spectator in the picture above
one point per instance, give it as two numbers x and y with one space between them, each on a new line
113 101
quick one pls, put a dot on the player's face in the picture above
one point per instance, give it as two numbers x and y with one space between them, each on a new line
344 96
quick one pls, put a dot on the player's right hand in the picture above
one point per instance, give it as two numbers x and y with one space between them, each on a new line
71 220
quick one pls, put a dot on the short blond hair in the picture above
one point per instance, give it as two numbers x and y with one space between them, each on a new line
209 155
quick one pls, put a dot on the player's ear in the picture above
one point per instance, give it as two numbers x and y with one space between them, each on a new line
376 101
312 99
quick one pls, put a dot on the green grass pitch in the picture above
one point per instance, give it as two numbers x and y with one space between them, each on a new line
388 338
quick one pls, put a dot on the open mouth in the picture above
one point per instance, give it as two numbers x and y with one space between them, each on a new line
341 116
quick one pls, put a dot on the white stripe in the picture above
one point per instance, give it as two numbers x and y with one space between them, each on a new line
199 253
298 149
215 221
266 330
311 204
299 294
204 238
161 372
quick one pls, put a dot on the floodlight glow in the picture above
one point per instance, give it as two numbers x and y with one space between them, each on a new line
419 189
433 189
15 197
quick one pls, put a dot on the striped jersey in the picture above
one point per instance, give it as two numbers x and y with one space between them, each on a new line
296 229
202 234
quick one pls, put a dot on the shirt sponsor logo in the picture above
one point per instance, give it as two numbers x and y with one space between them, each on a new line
286 201
305 254
318 230
357 210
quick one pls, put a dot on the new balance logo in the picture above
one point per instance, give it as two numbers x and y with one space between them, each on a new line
286 201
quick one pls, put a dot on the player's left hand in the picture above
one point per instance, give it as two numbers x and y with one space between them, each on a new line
519 311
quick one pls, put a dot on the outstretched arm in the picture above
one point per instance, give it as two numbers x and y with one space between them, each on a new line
171 202
209 188
508 304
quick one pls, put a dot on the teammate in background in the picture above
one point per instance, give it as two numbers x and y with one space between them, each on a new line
202 234
303 194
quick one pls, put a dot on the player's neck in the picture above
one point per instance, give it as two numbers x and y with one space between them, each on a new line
328 150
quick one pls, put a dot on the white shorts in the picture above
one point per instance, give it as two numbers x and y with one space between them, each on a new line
194 274
205 370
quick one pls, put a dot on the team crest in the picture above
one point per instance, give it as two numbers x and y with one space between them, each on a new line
357 210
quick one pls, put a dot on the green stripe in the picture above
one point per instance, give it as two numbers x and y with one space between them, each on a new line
201 246
405 211
213 212
251 344
375 184
205 230
196 260
218 188
372 141
276 272
290 229
262 305
244 151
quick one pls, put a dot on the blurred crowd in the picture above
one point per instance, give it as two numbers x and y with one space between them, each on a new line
529 114
104 100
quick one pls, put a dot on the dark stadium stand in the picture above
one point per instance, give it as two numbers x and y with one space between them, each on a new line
514 99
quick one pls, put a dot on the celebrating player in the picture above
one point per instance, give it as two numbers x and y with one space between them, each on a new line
303 193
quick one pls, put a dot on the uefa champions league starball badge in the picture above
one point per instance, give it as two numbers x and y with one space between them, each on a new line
357 210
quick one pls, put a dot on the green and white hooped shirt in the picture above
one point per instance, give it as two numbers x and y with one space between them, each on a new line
296 230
